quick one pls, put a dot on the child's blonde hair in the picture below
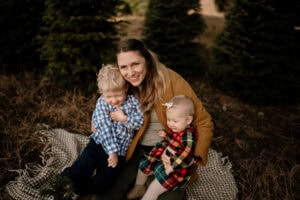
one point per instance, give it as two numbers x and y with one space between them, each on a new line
109 78
184 103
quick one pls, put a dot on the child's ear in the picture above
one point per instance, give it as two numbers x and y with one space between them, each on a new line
189 119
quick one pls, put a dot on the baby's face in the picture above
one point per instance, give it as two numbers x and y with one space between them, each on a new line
177 120
114 98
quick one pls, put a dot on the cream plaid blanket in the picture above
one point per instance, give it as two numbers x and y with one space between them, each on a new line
62 148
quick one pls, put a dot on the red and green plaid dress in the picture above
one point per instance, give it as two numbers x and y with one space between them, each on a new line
184 145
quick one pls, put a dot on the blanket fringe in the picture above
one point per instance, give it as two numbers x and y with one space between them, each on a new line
34 168
225 161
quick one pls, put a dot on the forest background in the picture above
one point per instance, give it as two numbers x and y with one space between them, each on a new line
243 64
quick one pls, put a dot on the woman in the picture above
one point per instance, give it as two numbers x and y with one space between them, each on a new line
153 84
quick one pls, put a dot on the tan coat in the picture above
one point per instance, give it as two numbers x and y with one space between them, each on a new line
176 85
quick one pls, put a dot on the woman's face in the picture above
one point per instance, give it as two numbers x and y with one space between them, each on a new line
132 67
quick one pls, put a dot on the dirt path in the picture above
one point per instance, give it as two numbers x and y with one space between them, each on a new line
214 21
208 8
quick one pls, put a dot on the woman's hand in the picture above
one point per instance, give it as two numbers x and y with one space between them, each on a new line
112 160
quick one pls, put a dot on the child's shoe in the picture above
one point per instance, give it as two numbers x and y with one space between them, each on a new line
136 192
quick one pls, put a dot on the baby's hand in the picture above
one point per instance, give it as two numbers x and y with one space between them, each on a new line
161 133
168 169
166 159
118 115
172 151
112 160
167 163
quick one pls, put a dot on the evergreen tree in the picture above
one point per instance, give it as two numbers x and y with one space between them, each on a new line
169 30
78 37
255 56
20 22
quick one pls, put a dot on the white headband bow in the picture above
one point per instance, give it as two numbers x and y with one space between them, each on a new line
169 105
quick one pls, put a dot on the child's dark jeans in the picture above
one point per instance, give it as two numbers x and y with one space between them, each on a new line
90 172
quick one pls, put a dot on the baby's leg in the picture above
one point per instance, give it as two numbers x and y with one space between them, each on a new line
154 190
141 178
139 187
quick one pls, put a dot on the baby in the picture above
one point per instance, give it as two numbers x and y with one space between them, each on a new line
171 159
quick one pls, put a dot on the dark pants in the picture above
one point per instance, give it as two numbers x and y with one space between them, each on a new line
82 172
126 180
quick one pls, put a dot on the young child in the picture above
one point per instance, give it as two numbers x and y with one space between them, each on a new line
178 144
115 118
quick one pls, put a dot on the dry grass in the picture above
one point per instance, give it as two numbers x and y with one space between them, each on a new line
262 142
27 103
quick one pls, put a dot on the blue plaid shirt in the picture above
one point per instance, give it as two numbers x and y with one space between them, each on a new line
116 136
